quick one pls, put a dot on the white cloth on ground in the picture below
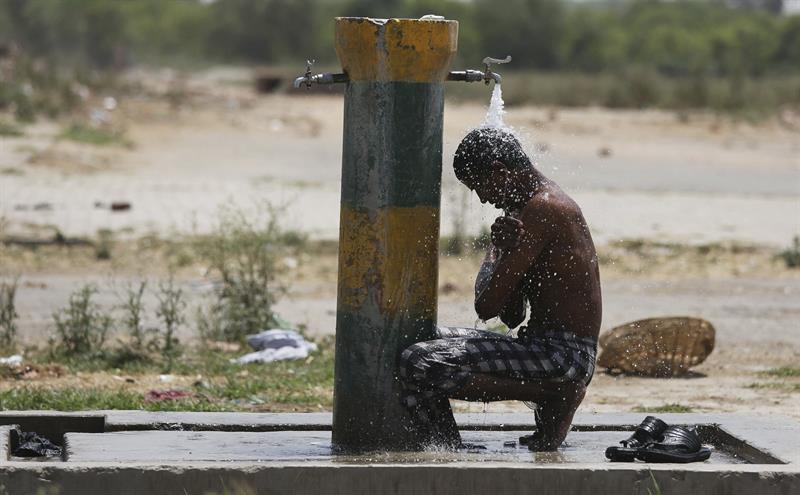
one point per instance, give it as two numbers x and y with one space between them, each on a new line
276 345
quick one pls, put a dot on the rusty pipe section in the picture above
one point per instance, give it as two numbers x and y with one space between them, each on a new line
470 75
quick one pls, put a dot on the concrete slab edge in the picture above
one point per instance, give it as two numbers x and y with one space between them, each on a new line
456 479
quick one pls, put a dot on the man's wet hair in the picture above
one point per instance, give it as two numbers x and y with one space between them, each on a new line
482 146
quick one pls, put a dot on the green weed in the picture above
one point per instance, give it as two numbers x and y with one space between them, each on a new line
81 327
244 254
95 136
791 256
8 314
783 372
171 307
132 306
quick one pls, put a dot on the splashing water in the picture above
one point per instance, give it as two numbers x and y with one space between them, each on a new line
494 116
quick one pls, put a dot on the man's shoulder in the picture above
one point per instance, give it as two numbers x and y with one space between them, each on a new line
552 203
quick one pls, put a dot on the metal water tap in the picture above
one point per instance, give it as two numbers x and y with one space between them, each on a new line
305 79
488 75
325 78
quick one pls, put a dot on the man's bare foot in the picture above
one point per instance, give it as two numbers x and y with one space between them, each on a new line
554 417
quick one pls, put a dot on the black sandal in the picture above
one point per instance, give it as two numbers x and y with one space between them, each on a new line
679 444
648 432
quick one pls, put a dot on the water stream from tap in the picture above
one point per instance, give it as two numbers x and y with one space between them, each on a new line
494 116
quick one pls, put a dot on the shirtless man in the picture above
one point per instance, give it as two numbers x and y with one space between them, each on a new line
541 255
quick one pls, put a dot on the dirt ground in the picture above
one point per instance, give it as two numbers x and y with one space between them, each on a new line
711 199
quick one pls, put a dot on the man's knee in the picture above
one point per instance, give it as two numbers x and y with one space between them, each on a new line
414 362
422 362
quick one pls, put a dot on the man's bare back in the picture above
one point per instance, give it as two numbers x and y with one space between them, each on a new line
562 285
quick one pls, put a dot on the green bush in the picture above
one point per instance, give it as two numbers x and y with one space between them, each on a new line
243 254
81 327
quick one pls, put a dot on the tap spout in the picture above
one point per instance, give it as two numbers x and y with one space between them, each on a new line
300 81
494 76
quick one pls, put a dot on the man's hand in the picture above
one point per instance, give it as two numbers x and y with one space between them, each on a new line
507 232
514 312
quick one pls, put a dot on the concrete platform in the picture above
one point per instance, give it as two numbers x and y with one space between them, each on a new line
124 452
225 446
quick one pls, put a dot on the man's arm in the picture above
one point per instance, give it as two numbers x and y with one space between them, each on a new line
514 311
486 269
504 279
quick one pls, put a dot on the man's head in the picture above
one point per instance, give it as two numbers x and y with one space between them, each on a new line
492 162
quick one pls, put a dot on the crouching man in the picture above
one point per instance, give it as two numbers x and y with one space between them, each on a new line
541 256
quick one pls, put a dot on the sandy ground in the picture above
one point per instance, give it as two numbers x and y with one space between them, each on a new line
637 175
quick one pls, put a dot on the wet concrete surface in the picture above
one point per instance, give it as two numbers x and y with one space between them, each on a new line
216 446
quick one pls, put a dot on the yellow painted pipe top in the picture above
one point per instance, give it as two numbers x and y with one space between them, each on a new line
407 50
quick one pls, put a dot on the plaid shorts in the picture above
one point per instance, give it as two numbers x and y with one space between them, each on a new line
437 369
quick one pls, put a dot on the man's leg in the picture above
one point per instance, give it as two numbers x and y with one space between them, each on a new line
429 372
501 368
486 367
556 403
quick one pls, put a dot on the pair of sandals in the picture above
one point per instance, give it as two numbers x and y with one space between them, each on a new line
655 441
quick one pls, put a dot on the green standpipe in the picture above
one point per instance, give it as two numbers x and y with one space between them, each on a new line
389 231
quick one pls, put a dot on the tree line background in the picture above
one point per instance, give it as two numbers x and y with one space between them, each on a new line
674 38
617 53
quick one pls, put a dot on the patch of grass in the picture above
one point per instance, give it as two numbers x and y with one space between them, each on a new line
95 136
225 386
783 372
11 171
665 408
81 399
787 387
9 129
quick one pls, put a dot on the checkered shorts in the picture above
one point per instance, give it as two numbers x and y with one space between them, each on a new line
437 369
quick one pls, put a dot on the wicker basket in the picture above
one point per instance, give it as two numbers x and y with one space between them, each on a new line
661 347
